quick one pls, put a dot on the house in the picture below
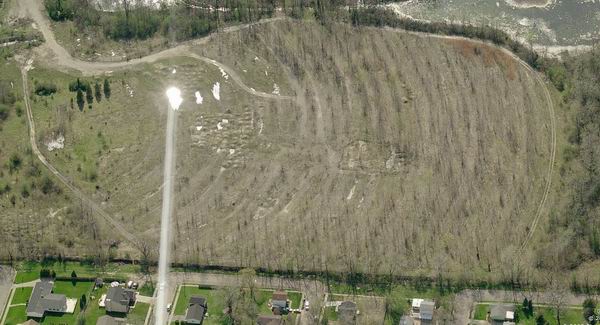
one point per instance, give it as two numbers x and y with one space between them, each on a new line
42 300
502 314
119 300
422 309
196 310
279 303
347 312
406 320
30 322
426 311
269 320
109 320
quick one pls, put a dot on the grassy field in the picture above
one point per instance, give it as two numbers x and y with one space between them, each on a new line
481 312
29 271
21 296
16 315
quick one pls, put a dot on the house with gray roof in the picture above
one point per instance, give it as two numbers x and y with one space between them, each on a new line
42 300
109 320
426 310
196 310
119 300
279 303
502 314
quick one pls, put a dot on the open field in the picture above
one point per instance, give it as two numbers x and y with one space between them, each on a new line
398 154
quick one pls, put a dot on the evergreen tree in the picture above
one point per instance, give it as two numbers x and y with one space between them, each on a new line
80 101
106 89
89 96
98 91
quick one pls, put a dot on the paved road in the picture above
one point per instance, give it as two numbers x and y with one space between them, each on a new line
7 275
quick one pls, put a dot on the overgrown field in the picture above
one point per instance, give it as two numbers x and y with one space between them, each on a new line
397 154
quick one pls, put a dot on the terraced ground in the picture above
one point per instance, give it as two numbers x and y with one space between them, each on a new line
402 153
397 153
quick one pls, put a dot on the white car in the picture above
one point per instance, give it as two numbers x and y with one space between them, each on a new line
306 305
169 308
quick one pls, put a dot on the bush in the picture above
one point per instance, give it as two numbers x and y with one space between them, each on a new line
59 10
45 89
4 112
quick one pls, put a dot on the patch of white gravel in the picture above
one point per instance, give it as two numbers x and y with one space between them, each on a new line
216 91
55 144
224 74
199 98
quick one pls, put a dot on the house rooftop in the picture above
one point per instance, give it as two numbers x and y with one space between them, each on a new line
43 300
280 295
502 312
118 300
109 320
196 310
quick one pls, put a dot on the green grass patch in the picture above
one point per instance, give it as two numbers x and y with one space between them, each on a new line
330 314
295 298
30 271
147 289
567 316
214 299
16 315
21 296
480 312
138 314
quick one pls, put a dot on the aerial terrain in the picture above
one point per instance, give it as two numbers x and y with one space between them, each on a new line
343 141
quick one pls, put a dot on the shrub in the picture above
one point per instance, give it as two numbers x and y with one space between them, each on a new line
4 112
45 89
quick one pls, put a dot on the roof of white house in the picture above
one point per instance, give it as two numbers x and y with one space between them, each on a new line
416 302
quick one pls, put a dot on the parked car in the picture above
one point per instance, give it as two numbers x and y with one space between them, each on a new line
169 308
306 304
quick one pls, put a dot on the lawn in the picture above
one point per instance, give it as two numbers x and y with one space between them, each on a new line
567 316
21 296
147 289
214 300
296 298
480 312
16 315
30 271
216 304
138 314
330 313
